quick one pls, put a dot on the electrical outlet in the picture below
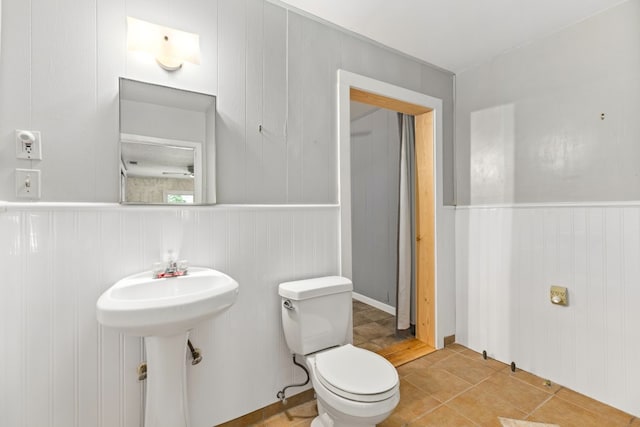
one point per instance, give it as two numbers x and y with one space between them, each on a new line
28 145
559 295
28 184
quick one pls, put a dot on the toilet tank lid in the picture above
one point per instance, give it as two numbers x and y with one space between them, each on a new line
310 288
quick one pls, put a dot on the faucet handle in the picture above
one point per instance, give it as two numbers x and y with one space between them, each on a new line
157 269
182 266
170 267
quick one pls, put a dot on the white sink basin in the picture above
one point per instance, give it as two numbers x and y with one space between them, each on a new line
163 311
143 306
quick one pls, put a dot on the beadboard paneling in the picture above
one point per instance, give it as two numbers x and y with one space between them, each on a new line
60 368
506 260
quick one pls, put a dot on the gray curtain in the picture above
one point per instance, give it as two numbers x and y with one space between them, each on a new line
406 288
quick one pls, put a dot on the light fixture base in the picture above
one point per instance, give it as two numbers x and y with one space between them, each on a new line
169 64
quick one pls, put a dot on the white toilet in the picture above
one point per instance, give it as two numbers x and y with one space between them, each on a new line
354 387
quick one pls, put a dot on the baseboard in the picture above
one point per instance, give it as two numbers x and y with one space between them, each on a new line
451 339
260 415
373 303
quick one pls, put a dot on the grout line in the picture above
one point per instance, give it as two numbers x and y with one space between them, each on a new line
476 385
591 410
462 415
435 409
472 386
540 405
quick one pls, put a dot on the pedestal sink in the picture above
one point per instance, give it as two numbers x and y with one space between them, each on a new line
163 311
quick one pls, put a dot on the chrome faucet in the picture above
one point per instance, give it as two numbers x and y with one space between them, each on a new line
172 268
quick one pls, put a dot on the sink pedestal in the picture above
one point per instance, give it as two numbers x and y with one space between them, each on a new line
163 311
166 400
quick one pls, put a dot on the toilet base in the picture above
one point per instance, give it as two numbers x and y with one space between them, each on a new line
335 418
322 421
325 421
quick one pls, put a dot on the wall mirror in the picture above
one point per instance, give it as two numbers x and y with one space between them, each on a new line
167 145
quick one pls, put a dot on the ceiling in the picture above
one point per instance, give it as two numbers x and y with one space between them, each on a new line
155 160
453 34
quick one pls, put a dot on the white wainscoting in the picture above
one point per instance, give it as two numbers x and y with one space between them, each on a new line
506 260
59 368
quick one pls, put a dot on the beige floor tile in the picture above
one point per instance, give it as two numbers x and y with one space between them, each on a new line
376 315
387 341
521 395
359 339
359 318
439 355
566 414
592 405
484 409
368 345
472 371
374 329
360 306
456 347
371 331
413 404
416 366
438 383
441 417
390 324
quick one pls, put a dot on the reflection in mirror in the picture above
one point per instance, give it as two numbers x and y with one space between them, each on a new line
375 201
167 145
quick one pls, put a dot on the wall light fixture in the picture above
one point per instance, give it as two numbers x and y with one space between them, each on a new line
170 47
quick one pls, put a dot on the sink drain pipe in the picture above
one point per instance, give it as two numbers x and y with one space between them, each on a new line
196 353
281 395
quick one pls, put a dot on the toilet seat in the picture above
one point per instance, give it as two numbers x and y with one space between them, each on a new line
356 374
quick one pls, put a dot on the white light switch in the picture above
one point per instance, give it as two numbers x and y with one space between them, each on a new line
28 184
28 144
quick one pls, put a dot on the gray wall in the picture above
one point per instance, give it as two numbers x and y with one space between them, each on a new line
278 69
528 125
269 67
375 182
59 70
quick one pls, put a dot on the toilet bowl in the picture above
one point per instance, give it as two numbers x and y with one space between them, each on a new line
354 386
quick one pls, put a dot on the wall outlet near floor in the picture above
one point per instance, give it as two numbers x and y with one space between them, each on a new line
559 295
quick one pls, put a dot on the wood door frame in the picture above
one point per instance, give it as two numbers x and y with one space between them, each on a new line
428 112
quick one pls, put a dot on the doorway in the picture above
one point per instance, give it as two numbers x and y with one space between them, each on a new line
425 109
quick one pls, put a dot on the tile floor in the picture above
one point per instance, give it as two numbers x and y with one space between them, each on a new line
457 387
373 329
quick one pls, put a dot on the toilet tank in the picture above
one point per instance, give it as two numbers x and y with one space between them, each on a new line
316 313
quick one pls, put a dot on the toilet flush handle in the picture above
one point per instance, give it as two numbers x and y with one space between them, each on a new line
288 305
